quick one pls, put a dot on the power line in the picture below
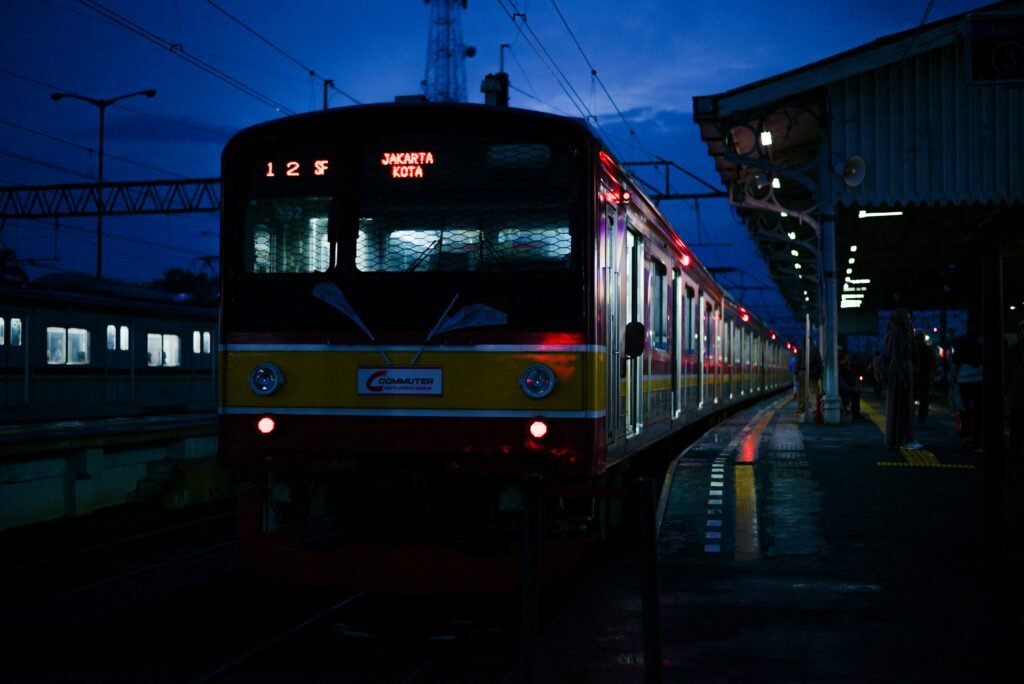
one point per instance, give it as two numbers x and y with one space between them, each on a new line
115 236
46 164
312 72
548 62
89 149
178 50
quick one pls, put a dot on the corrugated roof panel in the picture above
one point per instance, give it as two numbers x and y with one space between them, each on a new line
926 136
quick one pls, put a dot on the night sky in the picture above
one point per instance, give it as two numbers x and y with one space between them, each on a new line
221 66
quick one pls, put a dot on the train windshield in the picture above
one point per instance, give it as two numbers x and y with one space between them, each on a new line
464 205
414 203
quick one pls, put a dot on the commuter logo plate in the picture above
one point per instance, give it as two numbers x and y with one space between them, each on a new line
399 381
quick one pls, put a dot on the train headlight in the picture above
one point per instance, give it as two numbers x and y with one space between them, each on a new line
537 381
265 379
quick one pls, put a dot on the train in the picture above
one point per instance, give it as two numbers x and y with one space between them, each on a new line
423 304
76 348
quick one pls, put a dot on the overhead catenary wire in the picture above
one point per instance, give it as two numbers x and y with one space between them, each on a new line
545 57
46 164
90 150
179 51
114 236
309 70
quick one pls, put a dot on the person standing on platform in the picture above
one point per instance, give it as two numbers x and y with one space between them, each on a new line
878 372
968 372
849 386
792 371
899 398
1015 391
925 371
801 383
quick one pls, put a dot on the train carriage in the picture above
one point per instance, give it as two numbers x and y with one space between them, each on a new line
76 348
423 303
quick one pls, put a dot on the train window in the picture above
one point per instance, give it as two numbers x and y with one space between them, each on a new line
206 342
197 342
78 346
125 338
163 350
397 244
111 337
56 345
287 235
3 333
68 346
659 314
15 332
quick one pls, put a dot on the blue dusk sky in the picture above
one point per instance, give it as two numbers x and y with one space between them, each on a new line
220 66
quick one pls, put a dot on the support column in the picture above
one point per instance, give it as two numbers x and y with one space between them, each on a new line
830 320
993 468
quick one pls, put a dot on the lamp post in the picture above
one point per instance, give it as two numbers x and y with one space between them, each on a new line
102 106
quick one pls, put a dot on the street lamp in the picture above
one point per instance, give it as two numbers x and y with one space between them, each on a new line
102 106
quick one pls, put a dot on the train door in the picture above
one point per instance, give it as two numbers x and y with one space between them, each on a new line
13 359
611 273
202 365
711 349
118 362
702 345
677 344
691 377
728 352
636 298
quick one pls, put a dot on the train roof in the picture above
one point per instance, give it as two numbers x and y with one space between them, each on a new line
60 289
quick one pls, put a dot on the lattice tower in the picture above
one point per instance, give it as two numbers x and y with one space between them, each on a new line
446 54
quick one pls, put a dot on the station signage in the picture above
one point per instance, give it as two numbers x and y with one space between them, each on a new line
995 48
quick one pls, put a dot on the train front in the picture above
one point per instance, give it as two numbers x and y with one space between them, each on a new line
406 334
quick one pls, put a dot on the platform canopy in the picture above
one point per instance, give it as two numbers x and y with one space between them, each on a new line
925 125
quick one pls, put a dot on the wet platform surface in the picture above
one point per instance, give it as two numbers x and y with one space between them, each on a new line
797 552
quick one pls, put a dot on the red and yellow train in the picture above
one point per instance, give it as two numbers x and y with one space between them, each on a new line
421 304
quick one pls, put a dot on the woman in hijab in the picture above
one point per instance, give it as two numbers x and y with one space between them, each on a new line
899 398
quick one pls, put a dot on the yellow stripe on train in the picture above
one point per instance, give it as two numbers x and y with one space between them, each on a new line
479 380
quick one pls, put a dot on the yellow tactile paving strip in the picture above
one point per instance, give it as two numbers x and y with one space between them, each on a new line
913 458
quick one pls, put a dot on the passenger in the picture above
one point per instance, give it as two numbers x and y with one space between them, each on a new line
817 369
967 372
849 388
878 372
923 375
792 371
801 386
1015 390
899 373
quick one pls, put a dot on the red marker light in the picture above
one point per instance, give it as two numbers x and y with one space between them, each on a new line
538 429
266 425
686 260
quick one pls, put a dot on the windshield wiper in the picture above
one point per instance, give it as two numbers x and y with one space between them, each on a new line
331 294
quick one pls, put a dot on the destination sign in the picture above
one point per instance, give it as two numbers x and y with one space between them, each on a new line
406 164
296 169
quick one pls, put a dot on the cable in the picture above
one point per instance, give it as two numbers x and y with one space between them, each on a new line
90 150
309 70
54 167
106 234
551 66
178 50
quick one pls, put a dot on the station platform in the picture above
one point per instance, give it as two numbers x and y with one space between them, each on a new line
791 551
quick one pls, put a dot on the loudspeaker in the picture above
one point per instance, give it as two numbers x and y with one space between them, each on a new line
853 171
